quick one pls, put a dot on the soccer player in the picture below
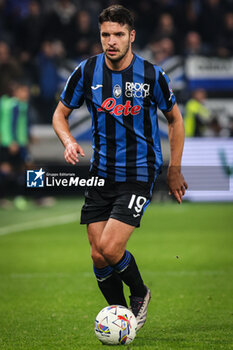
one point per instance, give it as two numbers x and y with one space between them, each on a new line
14 138
122 92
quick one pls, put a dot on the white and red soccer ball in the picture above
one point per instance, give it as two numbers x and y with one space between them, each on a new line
115 324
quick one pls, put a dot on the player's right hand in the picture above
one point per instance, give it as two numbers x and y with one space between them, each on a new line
71 152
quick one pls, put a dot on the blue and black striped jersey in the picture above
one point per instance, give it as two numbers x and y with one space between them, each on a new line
123 106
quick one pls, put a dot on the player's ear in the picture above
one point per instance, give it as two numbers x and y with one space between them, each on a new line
132 35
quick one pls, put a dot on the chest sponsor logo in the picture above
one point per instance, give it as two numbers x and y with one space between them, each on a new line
137 89
109 105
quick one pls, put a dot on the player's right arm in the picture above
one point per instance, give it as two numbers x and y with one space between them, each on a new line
61 127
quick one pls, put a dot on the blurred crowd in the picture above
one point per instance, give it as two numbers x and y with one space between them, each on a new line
40 38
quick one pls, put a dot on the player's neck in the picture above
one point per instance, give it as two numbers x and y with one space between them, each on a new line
122 64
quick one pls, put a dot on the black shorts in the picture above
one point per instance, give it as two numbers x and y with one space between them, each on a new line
123 201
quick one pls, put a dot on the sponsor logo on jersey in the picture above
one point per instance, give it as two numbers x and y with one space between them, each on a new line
117 91
96 87
171 92
109 105
137 89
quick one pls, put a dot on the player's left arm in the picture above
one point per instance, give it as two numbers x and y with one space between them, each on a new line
175 180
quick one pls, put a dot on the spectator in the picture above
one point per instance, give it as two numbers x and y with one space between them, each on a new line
10 69
225 42
83 35
197 116
17 8
30 33
211 18
3 32
144 21
96 49
14 12
14 137
161 50
47 65
166 29
14 122
166 5
191 19
193 44
228 5
166 26
58 21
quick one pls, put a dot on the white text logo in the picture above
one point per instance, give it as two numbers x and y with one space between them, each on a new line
137 89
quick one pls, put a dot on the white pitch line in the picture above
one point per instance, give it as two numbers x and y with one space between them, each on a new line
58 220
47 275
88 274
187 273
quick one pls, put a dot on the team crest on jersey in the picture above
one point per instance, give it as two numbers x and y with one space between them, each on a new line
117 91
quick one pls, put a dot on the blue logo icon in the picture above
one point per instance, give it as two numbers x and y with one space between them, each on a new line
35 178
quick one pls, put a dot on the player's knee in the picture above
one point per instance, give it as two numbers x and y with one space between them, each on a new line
98 259
109 252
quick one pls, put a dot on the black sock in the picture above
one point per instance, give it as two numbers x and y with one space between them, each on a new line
129 273
110 285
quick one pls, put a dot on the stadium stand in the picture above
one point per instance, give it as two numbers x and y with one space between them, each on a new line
42 41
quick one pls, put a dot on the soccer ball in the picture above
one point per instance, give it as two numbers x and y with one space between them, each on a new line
115 325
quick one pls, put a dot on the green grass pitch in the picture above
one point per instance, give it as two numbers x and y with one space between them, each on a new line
49 296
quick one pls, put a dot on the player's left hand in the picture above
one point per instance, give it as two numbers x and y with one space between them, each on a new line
176 183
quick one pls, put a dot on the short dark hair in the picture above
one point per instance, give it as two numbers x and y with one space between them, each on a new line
119 14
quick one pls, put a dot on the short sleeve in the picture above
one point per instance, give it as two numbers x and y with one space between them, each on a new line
163 93
72 94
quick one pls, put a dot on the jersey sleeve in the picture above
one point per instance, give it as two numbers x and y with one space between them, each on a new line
163 93
72 95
